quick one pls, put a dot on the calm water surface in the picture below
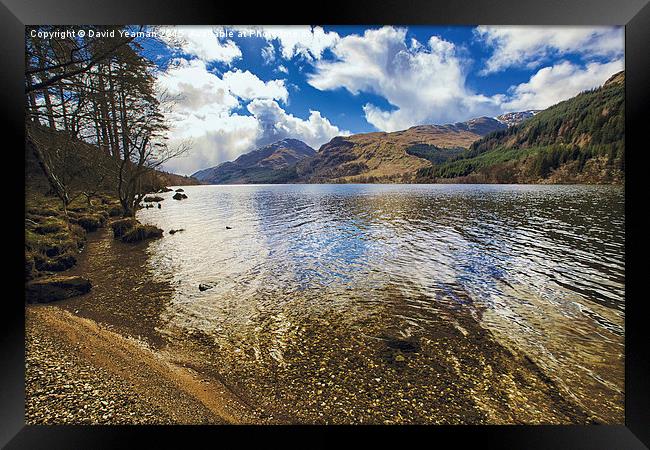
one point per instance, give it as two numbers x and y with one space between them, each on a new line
540 267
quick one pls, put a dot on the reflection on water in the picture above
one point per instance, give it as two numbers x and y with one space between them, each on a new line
540 267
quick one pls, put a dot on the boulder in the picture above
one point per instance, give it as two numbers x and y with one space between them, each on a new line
50 289
153 199
180 190
205 287
176 231
179 196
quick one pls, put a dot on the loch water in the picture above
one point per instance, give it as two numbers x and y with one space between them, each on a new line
539 267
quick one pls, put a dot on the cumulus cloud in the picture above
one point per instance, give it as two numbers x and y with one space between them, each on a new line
528 46
276 124
202 42
424 83
207 111
247 86
553 84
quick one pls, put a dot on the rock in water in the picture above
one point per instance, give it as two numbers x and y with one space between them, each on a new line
179 196
180 190
50 289
205 287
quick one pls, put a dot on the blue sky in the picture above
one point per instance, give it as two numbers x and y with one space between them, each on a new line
237 88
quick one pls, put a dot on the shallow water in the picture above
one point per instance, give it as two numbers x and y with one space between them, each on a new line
540 267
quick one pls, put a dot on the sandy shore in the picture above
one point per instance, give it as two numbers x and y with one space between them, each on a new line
79 372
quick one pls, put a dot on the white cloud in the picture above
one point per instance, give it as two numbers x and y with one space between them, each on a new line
277 124
247 86
202 42
425 83
528 46
268 54
295 40
554 84
207 112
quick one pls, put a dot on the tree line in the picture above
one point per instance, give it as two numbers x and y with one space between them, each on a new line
94 119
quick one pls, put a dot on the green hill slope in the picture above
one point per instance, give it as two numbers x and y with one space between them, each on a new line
579 140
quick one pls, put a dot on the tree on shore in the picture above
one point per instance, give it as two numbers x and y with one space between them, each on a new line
99 91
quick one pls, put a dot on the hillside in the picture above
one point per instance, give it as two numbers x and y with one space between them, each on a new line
580 140
392 157
270 164
84 166
172 179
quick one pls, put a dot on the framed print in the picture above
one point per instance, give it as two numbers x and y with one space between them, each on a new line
374 218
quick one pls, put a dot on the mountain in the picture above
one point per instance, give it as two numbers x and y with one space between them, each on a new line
392 157
580 140
515 118
270 164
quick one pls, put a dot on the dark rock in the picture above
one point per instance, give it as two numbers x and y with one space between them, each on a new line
228 228
176 231
45 290
403 345
153 199
179 196
165 189
180 190
205 287
159 206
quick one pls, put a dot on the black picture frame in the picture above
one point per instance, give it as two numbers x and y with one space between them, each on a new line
634 14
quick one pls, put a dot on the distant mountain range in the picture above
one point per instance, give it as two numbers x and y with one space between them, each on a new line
376 157
515 118
269 164
361 157
578 140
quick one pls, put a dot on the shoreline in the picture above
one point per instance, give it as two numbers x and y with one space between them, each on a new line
460 374
146 380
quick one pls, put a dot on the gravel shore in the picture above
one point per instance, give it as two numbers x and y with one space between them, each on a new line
78 372
63 388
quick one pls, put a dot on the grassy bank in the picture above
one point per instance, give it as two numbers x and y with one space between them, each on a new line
54 237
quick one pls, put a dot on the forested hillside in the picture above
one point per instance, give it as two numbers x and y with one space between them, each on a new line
579 140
